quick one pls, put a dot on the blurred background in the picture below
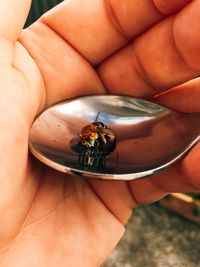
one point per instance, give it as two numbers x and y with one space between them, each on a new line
165 234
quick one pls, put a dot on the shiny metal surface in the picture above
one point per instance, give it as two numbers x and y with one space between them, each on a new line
149 137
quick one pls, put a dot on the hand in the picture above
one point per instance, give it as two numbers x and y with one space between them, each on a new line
51 219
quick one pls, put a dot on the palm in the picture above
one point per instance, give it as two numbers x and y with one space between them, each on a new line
51 213
52 209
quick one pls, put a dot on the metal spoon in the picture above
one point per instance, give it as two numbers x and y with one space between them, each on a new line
149 137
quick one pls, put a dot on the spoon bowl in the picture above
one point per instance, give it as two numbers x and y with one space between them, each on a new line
148 137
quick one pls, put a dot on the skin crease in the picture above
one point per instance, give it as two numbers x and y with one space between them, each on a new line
51 219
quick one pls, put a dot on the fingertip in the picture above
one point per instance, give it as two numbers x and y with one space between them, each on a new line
182 98
145 191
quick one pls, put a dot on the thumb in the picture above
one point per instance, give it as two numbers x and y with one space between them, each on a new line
13 14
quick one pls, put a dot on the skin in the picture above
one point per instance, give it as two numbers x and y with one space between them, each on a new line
80 48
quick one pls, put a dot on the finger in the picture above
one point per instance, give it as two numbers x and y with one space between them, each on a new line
183 177
169 7
65 73
165 56
57 60
97 28
145 191
116 196
183 98
12 18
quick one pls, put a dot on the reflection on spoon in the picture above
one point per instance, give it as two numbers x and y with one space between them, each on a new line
96 142
149 137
